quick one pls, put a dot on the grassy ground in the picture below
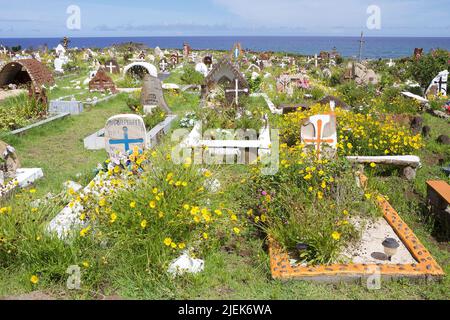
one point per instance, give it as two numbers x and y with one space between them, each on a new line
58 147
240 273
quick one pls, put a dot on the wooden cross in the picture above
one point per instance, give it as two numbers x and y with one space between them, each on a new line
111 67
236 90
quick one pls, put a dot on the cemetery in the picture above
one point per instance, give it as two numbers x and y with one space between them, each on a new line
177 173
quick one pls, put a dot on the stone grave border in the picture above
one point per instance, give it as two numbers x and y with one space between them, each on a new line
426 267
40 123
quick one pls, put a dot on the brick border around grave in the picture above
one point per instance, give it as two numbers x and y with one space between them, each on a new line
425 268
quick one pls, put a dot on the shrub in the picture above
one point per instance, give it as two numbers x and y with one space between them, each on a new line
190 76
428 66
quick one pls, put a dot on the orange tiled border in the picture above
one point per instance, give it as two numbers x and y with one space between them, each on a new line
426 267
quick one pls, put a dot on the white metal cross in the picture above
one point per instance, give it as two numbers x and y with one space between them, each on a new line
163 64
111 67
236 90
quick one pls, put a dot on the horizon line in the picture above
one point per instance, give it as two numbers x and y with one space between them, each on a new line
225 36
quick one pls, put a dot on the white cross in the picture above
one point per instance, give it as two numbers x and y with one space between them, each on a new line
11 54
163 64
236 90
111 67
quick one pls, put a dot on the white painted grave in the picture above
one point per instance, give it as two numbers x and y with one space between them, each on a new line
123 133
320 130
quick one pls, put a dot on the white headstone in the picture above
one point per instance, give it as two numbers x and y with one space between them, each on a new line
202 68
319 131
123 133
58 63
439 83
159 53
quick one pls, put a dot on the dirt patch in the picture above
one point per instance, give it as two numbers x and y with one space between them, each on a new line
35 296
11 93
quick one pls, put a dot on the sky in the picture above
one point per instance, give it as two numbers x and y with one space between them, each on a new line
114 18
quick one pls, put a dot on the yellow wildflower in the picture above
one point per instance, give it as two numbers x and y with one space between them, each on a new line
336 236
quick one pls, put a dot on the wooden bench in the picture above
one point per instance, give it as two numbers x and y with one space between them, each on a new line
438 200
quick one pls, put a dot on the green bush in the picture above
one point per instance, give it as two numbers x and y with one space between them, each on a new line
428 66
190 76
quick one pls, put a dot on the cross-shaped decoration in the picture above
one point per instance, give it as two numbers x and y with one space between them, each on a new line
126 141
236 90
320 136
163 64
440 83
11 54
111 67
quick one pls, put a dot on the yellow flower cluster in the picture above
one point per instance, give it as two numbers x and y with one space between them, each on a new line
358 134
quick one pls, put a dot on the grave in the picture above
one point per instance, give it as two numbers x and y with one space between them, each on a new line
418 52
439 85
186 50
139 69
102 82
438 199
202 68
111 66
361 74
320 132
123 132
152 94
227 76
163 65
208 61
72 107
11 175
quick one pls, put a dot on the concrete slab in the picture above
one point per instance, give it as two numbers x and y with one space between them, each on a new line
369 249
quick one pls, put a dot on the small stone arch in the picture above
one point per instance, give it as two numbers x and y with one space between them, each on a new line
147 68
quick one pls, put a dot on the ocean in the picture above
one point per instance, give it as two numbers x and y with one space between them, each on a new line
374 47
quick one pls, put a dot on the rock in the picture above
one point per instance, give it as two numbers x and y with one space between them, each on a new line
409 173
72 185
186 264
443 139
9 161
416 125
426 131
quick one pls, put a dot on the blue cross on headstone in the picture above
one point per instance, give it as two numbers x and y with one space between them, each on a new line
125 141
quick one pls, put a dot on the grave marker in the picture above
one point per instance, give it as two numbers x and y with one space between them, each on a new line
123 132
320 129
152 93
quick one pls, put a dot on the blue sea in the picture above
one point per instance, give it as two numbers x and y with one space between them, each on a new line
374 47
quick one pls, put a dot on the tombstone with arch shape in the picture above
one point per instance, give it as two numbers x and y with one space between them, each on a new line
123 133
320 132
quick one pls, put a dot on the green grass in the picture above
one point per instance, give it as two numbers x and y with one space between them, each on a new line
58 147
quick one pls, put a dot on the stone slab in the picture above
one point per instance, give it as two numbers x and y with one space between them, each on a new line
25 177
72 107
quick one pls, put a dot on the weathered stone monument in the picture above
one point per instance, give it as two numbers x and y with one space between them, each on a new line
152 93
